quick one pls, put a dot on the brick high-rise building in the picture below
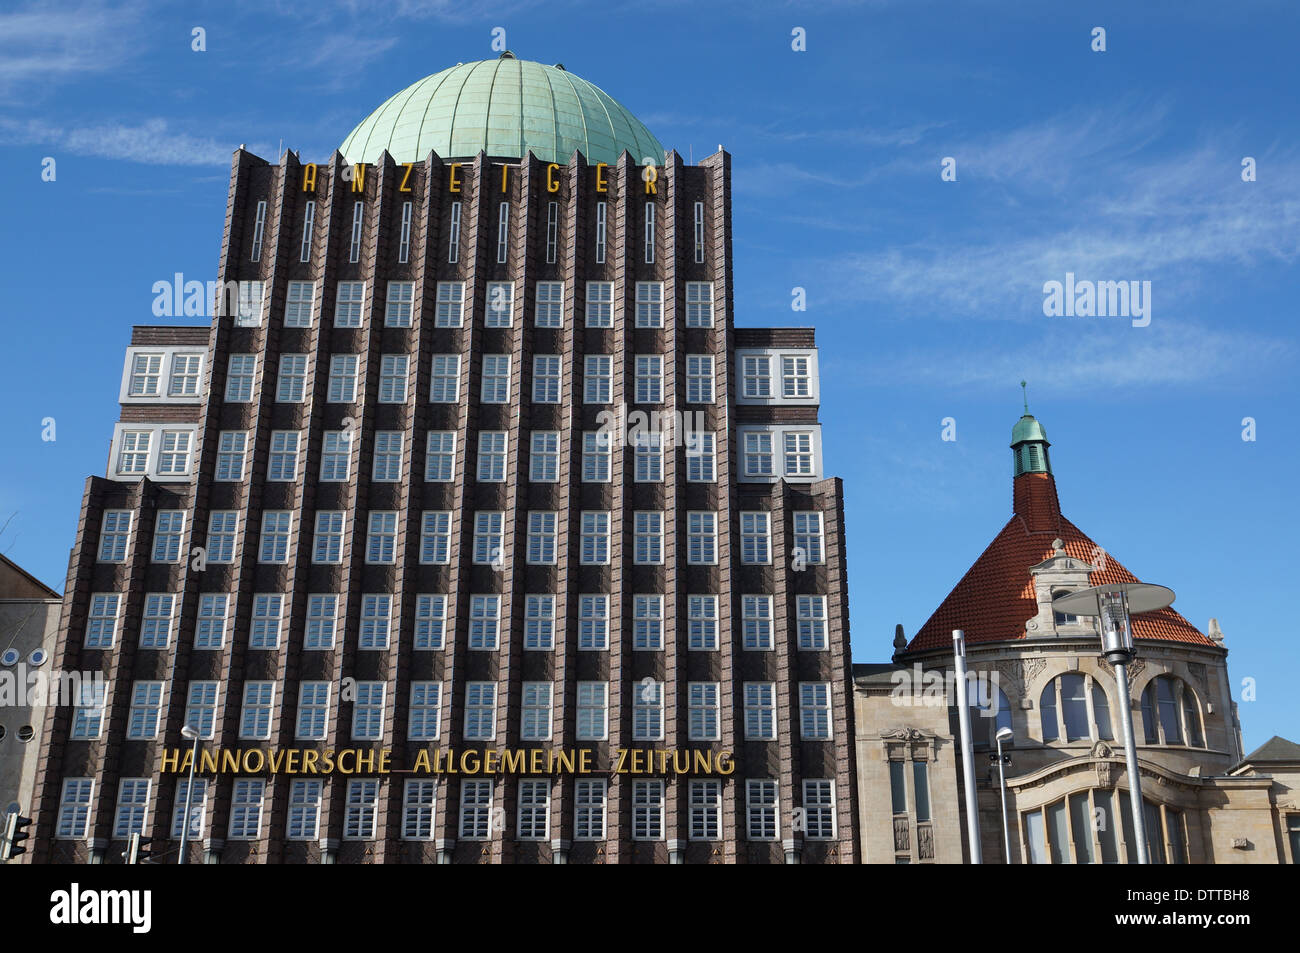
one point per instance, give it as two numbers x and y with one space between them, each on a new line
475 465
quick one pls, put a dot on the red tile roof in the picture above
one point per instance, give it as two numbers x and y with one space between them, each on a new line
995 598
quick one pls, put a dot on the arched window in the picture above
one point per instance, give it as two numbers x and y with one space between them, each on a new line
1077 703
988 714
1170 713
1063 618
1091 827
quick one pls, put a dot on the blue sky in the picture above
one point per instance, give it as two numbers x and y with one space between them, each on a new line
926 295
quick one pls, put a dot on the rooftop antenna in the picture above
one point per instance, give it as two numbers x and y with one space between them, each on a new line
1025 394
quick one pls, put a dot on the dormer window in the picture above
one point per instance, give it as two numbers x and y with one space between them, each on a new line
1063 618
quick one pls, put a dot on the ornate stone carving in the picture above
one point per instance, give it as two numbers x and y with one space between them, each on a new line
924 842
1198 674
901 839
1030 669
1009 671
905 734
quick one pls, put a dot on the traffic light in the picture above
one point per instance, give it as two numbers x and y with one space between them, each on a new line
15 832
137 849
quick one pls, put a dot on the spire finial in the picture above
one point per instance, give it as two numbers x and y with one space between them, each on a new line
1025 394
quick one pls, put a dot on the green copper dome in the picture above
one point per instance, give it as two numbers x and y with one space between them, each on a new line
1027 428
504 107
1029 446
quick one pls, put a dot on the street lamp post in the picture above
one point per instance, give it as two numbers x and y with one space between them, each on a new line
1115 605
967 748
193 734
1004 734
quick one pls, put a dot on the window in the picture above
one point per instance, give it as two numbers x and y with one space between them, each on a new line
444 382
600 304
114 536
248 313
299 303
88 718
701 457
480 711
274 544
546 379
756 616
453 235
268 615
699 233
362 808
381 537
819 808
761 809
223 530
418 801
648 457
649 233
388 456
648 710
541 537
595 456
488 538
214 615
552 230
699 378
255 716
648 538
308 220
758 460
393 372
544 459
399 305
699 304
174 454
259 227
101 624
376 621
760 711
201 708
702 711
593 711
440 457
601 231
594 539
475 810
404 239
549 308
1051 831
1171 713
328 546
313 711
648 622
815 711
450 311
358 218
133 457
430 621
589 807
185 375
808 535
756 376
435 537
593 622
484 622
810 613
304 809
368 712
650 302
198 804
701 538
500 304
795 377
156 626
1082 706
706 810
348 303
132 807
322 617
146 706
799 454
534 807
246 799
503 232
598 379
492 456
647 810
755 539
496 379
539 622
535 717
649 381
74 808
282 464
343 379
702 623
239 378
231 445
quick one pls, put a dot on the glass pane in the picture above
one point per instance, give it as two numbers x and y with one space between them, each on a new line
897 792
1076 708
1101 711
1105 822
922 790
1176 836
1081 823
1047 708
1126 825
1058 834
1149 715
1192 719
1155 833
1034 836
1168 712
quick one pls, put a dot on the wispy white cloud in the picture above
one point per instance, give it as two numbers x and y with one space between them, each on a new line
54 41
151 142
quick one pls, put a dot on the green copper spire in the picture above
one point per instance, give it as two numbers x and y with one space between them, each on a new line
1029 442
